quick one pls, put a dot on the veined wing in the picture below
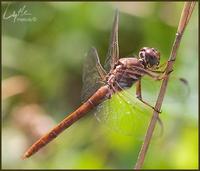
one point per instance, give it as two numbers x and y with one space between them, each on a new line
93 74
178 90
113 51
124 114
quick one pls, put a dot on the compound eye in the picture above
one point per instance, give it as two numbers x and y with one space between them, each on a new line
143 49
142 54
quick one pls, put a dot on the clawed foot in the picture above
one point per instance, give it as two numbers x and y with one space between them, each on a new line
171 60
163 76
140 98
169 72
157 110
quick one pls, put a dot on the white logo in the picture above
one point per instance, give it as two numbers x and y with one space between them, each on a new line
20 15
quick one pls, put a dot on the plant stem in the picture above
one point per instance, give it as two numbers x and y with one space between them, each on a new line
185 17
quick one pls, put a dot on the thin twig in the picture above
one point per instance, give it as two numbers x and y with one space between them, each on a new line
185 16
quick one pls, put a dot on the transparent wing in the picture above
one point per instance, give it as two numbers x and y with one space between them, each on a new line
178 90
124 114
113 51
93 74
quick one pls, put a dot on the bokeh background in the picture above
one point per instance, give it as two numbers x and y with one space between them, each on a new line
42 63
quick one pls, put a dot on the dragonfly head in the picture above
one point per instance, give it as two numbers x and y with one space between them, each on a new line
150 57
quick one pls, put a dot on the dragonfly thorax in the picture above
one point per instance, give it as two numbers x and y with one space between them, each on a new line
125 73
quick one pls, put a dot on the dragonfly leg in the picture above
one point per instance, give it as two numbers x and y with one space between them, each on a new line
169 72
162 71
146 103
157 77
164 75
158 71
111 91
139 96
161 76
138 90
165 63
109 94
171 60
160 66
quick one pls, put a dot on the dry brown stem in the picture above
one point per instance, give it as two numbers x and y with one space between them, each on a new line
185 17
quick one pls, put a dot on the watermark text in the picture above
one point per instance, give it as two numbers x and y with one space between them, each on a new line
21 14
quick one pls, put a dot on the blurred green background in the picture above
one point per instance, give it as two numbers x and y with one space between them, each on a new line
42 60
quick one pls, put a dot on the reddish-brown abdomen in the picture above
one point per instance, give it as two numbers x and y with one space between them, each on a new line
68 121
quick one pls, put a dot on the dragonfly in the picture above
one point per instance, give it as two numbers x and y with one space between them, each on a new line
117 75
